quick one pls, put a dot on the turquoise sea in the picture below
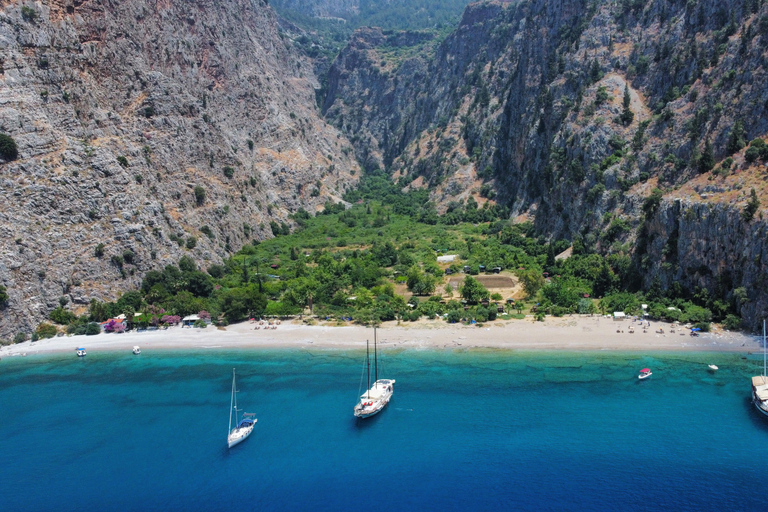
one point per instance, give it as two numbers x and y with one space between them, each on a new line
472 430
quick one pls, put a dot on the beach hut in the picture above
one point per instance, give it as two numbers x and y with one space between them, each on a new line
619 315
189 321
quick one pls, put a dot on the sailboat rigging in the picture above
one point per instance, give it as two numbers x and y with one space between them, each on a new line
377 396
245 426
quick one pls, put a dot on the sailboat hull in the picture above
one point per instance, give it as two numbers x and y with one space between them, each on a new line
383 391
760 405
239 436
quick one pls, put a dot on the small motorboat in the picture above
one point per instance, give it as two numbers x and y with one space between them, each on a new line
81 352
136 350
644 373
713 367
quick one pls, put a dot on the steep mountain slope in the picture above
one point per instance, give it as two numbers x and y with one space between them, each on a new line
572 112
156 129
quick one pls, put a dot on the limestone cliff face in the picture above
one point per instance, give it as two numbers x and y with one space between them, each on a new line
527 100
120 110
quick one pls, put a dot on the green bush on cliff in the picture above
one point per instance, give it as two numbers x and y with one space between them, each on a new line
8 149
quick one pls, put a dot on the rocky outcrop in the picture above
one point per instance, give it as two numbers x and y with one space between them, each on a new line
527 100
156 129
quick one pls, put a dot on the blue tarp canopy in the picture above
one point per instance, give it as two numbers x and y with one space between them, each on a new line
695 329
246 421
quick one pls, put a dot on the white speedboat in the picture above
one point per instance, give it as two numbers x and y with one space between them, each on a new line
760 385
136 350
80 352
245 426
644 373
378 395
713 367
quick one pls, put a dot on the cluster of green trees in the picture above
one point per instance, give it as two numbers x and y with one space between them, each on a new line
355 263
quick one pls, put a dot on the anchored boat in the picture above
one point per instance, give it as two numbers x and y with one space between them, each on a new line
377 396
760 385
244 428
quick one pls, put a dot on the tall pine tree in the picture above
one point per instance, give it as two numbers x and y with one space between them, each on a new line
627 116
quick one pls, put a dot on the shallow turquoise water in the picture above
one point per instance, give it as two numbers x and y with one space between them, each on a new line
473 430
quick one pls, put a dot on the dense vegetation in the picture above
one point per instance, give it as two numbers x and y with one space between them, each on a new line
377 261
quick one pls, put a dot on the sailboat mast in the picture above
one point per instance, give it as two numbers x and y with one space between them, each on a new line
368 362
763 349
375 358
230 401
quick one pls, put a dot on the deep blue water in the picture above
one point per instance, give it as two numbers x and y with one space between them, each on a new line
475 430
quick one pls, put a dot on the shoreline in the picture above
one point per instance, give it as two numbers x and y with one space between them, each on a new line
569 334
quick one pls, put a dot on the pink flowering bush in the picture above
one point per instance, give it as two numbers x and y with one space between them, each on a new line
110 326
204 315
170 319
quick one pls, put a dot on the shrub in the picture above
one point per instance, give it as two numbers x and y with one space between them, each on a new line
122 161
61 316
99 251
3 296
20 337
45 330
752 154
128 256
191 242
199 195
229 171
8 149
92 329
454 316
732 322
28 14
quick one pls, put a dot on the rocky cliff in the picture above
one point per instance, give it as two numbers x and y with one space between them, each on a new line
571 112
154 128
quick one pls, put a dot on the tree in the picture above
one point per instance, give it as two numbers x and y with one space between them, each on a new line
472 291
707 159
187 264
199 284
3 296
604 282
532 281
627 116
737 138
652 202
595 72
239 303
8 149
752 205
385 254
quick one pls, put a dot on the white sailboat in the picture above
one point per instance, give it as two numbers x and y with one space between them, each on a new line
378 395
760 385
245 426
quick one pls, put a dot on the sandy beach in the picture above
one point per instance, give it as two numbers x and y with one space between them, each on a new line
570 333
